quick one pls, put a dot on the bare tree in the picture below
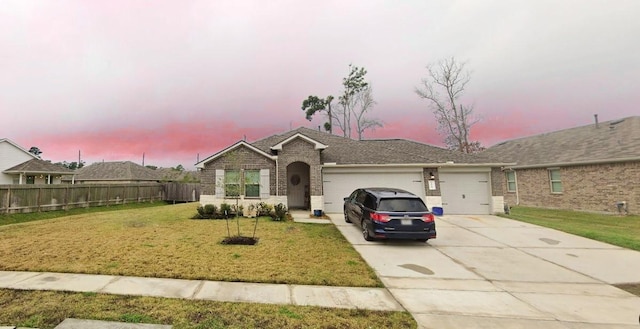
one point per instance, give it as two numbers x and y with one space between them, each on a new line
365 102
443 88
353 84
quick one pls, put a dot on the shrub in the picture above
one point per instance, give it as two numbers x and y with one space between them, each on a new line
200 212
210 210
263 209
237 210
279 212
225 210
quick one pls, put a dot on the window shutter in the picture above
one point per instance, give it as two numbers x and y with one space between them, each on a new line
264 184
219 183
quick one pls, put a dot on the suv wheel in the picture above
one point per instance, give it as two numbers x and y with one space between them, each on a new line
365 231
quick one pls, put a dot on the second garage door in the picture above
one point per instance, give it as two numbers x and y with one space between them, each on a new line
465 192
338 185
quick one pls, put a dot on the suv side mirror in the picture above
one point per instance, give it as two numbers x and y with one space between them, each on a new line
346 199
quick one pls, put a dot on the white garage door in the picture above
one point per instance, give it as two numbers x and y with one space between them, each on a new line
465 193
338 185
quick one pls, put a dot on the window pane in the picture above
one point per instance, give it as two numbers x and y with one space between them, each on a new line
232 183
252 177
556 187
555 174
231 176
511 186
511 176
252 190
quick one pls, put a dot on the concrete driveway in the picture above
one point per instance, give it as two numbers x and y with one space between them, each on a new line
491 272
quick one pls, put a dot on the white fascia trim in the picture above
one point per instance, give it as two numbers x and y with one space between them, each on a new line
317 145
233 147
569 164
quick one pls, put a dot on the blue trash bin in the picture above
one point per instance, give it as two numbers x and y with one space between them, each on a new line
438 211
317 212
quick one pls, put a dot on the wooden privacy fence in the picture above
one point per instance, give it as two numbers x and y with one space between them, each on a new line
32 198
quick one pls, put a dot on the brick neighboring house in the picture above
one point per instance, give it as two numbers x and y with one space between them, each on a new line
309 169
115 172
591 168
19 166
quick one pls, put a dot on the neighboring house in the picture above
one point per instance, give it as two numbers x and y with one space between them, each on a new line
313 170
182 176
18 166
116 172
593 168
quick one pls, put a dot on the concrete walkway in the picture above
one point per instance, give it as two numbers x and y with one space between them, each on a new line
339 297
492 272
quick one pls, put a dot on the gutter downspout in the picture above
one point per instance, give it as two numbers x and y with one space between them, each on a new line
277 179
515 177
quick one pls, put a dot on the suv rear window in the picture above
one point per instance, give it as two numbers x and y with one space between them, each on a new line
402 205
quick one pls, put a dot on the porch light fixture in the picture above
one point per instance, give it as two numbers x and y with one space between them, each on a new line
431 175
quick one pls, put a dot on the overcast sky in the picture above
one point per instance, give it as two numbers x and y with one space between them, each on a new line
178 79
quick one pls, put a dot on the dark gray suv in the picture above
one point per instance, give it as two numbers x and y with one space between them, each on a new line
388 213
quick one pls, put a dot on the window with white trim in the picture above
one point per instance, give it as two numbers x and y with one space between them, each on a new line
232 183
511 181
242 182
252 183
555 181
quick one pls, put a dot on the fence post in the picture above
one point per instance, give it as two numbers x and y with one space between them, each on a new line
38 199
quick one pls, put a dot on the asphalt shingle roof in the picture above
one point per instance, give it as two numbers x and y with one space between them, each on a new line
611 141
342 150
118 170
40 167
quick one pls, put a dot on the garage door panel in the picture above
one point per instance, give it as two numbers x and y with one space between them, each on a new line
465 193
337 186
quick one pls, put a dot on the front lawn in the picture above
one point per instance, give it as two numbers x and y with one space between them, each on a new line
164 242
46 309
623 231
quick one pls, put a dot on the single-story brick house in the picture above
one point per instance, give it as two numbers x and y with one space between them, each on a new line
313 170
19 166
592 168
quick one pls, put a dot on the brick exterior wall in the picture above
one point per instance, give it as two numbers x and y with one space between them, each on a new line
595 188
299 150
425 178
498 182
240 158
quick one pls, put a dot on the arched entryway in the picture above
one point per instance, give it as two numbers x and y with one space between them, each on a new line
298 189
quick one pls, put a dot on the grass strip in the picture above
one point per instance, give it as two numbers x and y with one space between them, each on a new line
623 231
46 309
6 219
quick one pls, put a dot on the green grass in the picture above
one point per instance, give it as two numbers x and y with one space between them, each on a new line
623 231
46 309
6 219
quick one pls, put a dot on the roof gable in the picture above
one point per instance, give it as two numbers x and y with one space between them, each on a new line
317 145
10 142
611 141
231 148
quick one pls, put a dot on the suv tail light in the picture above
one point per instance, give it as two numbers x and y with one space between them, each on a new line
382 218
428 218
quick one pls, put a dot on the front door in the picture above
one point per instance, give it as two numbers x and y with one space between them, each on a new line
298 186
